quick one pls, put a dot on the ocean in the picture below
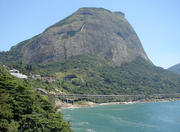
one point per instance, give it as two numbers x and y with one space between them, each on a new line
139 117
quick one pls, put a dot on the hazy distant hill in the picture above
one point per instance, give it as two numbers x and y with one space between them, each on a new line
175 68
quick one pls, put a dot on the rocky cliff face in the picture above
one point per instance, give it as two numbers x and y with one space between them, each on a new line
95 31
175 68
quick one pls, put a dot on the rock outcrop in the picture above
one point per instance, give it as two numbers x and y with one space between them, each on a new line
175 68
94 31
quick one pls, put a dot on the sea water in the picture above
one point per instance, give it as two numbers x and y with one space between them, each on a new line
139 117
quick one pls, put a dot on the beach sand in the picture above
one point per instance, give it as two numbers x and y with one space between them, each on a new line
61 105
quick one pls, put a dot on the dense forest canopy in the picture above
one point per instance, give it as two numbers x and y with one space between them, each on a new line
22 109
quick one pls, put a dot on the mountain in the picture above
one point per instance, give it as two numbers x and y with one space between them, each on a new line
93 51
94 31
175 68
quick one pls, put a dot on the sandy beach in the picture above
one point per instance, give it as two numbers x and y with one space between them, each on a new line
62 105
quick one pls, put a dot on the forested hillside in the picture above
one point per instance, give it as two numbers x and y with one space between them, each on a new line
93 75
22 109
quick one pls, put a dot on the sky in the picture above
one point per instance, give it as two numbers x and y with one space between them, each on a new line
156 22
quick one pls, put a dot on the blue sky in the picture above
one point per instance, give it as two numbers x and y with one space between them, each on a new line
157 22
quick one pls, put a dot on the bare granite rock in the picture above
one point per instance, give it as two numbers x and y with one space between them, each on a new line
95 31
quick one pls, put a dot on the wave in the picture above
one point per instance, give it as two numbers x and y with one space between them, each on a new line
79 123
124 122
89 130
68 117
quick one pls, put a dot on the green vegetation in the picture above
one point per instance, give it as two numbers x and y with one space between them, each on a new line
22 109
100 77
91 75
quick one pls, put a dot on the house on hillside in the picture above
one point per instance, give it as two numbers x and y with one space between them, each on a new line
17 74
35 76
39 77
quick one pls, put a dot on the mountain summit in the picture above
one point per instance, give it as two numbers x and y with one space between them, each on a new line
92 31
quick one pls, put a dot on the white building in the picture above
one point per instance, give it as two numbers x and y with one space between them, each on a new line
16 73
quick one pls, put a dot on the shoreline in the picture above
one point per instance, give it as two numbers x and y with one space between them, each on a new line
92 104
